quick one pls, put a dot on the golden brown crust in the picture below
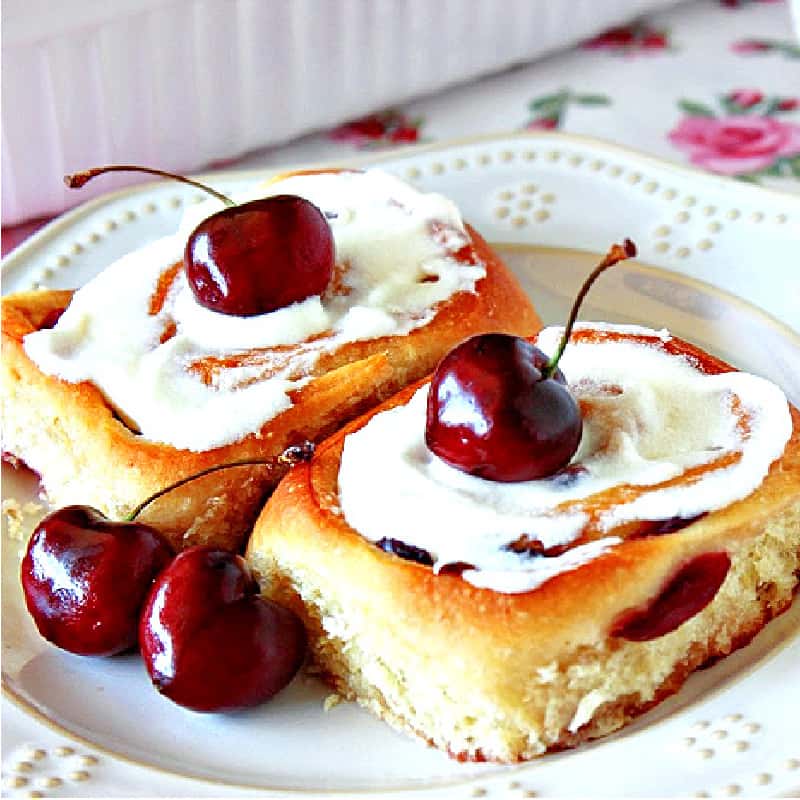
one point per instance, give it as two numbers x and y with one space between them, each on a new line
85 454
378 622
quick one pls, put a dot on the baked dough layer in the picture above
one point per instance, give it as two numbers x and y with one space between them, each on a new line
507 677
86 454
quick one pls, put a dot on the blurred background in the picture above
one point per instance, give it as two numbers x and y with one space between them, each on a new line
197 85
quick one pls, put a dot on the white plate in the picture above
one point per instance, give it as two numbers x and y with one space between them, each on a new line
727 732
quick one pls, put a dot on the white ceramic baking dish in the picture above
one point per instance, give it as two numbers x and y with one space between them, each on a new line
180 83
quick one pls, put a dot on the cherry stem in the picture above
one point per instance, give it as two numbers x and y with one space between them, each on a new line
79 179
617 253
258 462
291 456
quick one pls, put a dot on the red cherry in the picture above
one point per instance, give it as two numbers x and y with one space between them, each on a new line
85 579
499 408
260 256
493 414
253 258
209 641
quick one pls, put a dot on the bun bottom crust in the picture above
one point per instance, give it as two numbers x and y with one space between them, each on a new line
499 677
85 454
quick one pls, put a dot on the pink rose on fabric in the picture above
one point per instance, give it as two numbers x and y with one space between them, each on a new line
543 124
629 39
736 145
750 46
384 128
740 3
612 39
746 98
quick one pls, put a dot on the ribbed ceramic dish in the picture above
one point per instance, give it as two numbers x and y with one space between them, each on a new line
181 83
88 727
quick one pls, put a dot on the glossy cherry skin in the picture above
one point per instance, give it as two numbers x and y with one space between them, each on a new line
210 642
491 414
86 578
260 256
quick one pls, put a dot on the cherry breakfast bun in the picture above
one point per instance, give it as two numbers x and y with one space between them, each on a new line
499 636
153 372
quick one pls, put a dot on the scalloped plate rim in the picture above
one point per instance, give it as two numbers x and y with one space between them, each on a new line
73 215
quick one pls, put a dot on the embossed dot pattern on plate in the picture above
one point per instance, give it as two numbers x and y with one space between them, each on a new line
725 738
57 768
523 204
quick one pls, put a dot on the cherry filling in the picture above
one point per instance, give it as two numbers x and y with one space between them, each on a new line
531 546
687 593
51 318
660 526
406 551
568 476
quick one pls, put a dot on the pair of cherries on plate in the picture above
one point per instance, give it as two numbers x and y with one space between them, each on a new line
209 641
93 586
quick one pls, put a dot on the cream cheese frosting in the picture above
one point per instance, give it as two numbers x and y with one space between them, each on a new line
395 248
649 417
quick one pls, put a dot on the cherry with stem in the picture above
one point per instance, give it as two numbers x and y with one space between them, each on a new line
85 577
499 408
252 258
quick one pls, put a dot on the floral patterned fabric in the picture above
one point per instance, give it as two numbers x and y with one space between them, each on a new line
713 84
743 138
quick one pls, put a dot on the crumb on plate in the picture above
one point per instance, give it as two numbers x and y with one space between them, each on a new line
330 701
15 513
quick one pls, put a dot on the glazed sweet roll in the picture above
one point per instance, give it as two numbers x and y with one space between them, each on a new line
501 619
